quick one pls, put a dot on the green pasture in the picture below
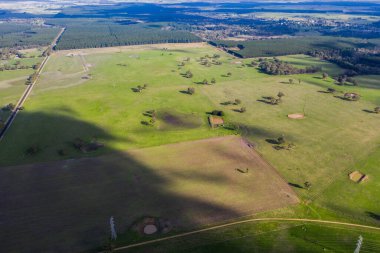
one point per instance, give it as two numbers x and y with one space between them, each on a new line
335 138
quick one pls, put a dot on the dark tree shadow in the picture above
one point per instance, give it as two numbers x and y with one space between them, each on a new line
264 101
368 111
373 215
70 201
184 92
295 185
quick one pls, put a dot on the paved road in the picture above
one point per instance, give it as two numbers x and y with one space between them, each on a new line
242 222
29 88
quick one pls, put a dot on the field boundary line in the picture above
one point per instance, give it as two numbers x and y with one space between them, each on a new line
243 222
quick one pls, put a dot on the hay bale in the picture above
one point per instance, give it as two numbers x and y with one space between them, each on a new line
296 116
357 177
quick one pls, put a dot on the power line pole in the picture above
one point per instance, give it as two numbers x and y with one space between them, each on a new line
113 230
359 244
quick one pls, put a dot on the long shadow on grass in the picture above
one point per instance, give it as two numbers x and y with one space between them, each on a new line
68 203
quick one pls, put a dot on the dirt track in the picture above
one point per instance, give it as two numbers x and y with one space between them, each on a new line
242 222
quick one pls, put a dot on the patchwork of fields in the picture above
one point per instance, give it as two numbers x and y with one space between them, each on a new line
90 95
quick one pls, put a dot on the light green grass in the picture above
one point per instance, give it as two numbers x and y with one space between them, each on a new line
335 137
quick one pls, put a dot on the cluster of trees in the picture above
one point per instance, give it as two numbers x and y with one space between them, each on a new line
8 53
344 79
206 82
351 96
353 60
208 60
8 107
277 67
275 100
188 74
153 118
31 79
140 88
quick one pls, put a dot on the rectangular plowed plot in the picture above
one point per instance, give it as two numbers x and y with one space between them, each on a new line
190 184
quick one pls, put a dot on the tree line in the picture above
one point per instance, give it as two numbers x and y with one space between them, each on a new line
353 60
277 67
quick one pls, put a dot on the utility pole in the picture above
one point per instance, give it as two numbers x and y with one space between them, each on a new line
113 230
359 244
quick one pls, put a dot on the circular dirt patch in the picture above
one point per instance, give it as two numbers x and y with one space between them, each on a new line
150 229
296 116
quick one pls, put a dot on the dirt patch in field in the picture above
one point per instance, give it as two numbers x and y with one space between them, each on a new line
357 177
175 120
190 183
296 116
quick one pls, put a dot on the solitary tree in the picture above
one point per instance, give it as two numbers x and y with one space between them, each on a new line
307 185
325 75
280 95
237 101
331 90
205 82
377 110
190 90
189 74
299 81
281 139
213 81
229 74
291 81
242 110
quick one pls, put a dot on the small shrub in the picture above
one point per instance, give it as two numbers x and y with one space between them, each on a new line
217 113
33 150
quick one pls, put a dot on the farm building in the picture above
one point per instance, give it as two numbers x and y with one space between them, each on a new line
215 121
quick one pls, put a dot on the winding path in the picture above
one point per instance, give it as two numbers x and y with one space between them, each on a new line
242 222
29 88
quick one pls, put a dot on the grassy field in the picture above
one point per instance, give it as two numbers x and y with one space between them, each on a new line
12 82
75 198
271 237
88 94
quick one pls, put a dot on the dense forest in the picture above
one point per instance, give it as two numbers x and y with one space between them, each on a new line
298 45
356 62
102 33
25 35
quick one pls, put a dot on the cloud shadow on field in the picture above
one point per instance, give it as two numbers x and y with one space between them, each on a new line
69 202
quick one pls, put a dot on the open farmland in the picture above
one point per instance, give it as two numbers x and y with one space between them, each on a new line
75 198
12 82
91 94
